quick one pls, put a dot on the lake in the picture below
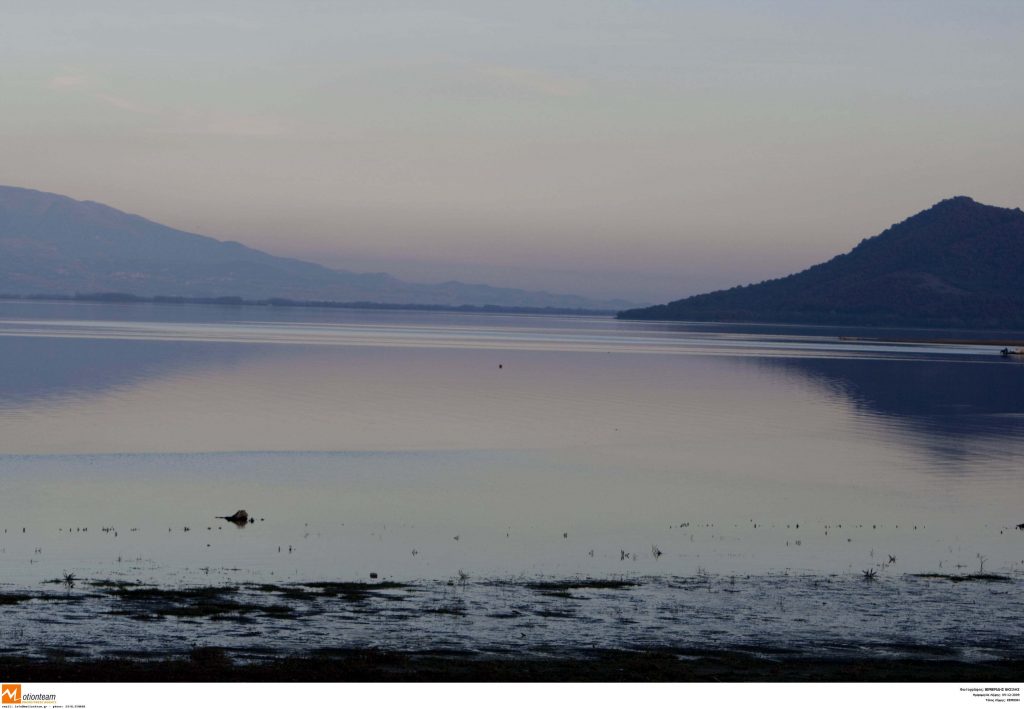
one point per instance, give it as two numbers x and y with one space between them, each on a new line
475 458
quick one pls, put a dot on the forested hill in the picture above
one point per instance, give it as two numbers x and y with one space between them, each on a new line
957 264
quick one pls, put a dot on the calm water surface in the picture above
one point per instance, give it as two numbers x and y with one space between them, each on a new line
418 445
358 436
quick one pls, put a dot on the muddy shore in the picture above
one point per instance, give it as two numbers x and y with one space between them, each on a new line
661 665
759 628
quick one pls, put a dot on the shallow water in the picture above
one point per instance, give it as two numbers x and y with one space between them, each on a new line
416 445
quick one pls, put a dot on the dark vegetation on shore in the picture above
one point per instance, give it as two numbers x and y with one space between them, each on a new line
573 584
212 664
288 303
252 604
957 578
959 264
143 602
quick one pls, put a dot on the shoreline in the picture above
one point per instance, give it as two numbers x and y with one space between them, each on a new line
238 302
211 664
776 627
933 341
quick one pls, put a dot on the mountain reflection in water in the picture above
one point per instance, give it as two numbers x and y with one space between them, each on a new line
953 408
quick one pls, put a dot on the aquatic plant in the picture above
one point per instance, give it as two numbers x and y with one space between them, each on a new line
870 574
572 584
68 579
956 578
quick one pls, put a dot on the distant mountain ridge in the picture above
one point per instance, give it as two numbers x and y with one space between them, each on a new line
958 264
50 243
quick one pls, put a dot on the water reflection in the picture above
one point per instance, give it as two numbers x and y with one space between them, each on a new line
955 409
335 380
39 370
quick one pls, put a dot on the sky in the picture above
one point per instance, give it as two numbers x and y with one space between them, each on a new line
641 149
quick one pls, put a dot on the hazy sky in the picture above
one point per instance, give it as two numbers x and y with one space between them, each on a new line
646 149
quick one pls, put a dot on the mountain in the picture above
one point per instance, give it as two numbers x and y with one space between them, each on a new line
957 264
57 245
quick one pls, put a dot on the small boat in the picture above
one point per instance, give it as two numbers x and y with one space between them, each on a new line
1007 352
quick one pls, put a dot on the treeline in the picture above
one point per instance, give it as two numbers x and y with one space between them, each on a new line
984 314
233 300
